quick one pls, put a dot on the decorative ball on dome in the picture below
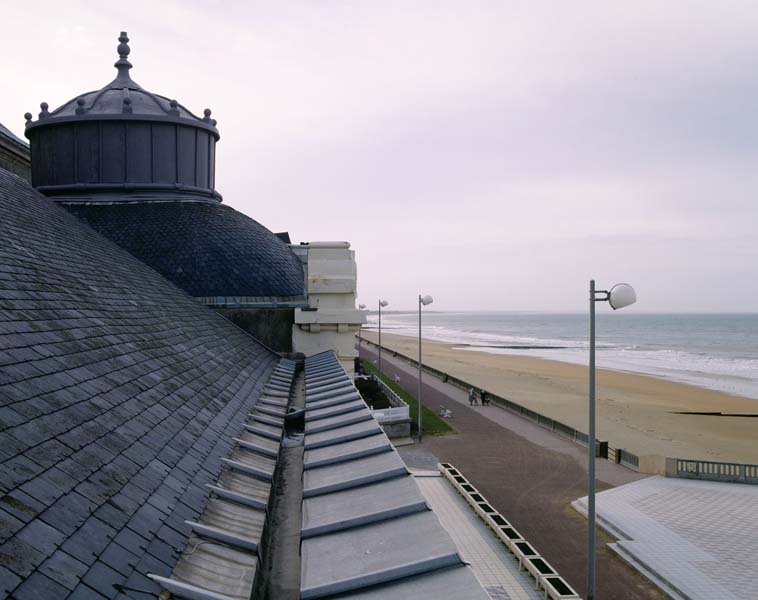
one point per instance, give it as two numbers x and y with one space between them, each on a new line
123 48
28 117
80 102
44 113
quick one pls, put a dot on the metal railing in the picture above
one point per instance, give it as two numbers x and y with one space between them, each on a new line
399 410
716 471
626 458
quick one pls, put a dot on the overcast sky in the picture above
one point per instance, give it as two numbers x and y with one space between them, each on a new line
493 154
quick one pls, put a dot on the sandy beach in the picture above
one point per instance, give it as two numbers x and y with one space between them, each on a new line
636 412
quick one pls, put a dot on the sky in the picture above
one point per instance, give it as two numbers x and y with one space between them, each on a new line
496 155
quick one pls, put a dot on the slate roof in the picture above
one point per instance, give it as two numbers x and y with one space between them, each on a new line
4 131
214 253
119 395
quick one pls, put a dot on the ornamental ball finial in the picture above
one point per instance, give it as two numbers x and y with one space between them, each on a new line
80 106
44 106
28 117
123 47
207 113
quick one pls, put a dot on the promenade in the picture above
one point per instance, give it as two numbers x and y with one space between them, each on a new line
529 475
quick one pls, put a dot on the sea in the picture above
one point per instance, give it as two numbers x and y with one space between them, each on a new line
714 351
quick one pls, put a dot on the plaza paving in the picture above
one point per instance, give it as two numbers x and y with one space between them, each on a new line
698 538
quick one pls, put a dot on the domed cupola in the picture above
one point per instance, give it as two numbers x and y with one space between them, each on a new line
123 143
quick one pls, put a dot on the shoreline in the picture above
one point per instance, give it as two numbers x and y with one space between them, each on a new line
639 412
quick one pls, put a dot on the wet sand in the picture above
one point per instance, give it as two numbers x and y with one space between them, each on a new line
636 412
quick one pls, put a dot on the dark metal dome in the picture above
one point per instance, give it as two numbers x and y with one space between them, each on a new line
123 143
214 253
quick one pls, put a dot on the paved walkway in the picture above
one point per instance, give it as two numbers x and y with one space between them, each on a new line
699 537
531 477
493 565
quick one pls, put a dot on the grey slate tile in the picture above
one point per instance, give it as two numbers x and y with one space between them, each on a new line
64 569
8 581
85 592
20 557
101 578
21 506
41 536
40 587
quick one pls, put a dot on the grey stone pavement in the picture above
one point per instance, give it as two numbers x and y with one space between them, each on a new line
699 539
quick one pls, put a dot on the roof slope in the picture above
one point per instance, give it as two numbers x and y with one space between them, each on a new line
209 250
118 395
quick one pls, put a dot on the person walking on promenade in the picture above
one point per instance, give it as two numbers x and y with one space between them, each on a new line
471 396
483 395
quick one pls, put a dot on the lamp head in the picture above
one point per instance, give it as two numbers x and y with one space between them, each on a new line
361 307
621 295
383 303
425 300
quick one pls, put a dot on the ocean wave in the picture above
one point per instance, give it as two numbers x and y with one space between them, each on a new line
698 350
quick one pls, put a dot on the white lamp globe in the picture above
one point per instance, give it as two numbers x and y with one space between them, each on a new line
621 295
426 300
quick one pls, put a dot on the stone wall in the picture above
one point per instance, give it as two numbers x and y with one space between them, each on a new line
272 326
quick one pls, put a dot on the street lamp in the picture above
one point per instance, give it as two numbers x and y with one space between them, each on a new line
360 307
425 300
381 304
619 296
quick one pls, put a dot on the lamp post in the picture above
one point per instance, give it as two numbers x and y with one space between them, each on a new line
619 296
381 303
422 300
360 307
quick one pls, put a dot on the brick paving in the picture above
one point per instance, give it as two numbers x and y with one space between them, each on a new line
532 485
699 537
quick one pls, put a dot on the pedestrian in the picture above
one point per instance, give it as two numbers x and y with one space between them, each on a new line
471 396
483 395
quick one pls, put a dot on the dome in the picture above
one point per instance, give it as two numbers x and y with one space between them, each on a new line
214 253
123 142
139 168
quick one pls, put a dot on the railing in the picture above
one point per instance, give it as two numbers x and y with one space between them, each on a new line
716 471
397 412
626 458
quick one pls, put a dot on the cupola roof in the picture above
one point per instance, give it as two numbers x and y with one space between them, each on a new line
123 143
122 99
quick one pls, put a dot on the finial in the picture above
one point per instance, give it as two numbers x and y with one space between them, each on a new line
174 110
207 113
122 64
28 117
44 113
127 109
80 106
